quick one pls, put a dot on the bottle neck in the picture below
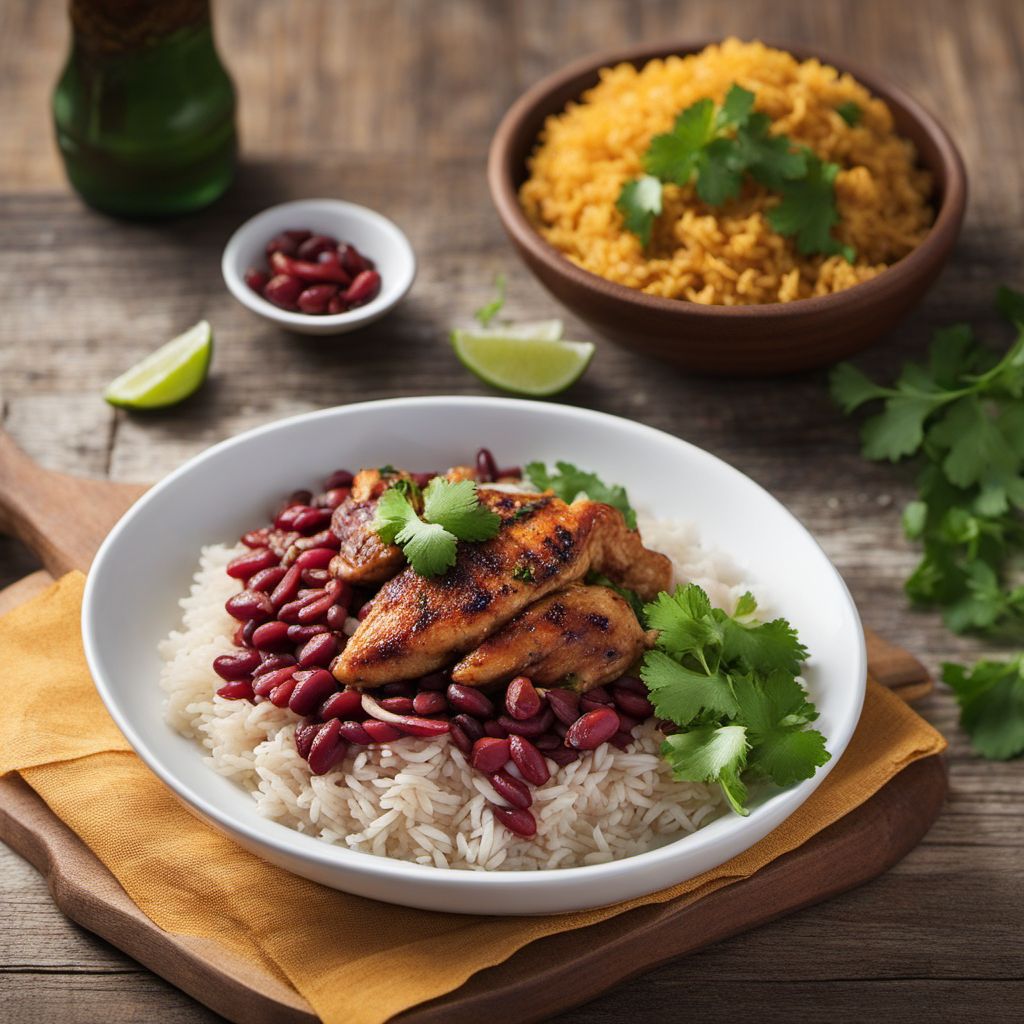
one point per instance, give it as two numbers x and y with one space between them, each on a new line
109 28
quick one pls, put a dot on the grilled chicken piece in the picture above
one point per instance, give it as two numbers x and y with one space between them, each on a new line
588 635
416 625
363 558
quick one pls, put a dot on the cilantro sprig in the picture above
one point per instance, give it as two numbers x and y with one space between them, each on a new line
730 684
570 483
715 148
991 697
451 512
961 417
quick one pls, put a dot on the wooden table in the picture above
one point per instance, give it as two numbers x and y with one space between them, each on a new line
392 105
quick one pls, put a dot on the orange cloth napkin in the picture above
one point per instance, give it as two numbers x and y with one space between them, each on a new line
353 959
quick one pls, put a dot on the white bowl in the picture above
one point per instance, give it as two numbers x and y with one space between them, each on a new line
370 232
146 563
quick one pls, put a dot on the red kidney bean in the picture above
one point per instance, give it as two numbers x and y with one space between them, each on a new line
271 636
460 739
336 616
264 682
666 726
245 631
311 691
305 733
516 819
236 689
256 279
363 289
332 264
312 519
599 694
352 259
535 726
433 681
236 666
285 518
621 740
337 305
283 290
353 732
586 704
343 704
397 705
589 731
562 756
316 577
549 741
399 689
511 789
327 748
249 605
429 702
314 608
364 610
627 723
269 661
565 704
311 248
307 271
473 702
318 651
522 700
495 730
255 538
315 558
281 694
286 242
244 566
633 704
300 634
381 732
470 726
486 467
529 760
336 495
414 726
316 297
631 683
339 478
266 579
490 754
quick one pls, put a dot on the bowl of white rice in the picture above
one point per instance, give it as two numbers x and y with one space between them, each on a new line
407 822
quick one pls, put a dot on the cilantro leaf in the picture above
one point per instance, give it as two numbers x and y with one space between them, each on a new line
486 313
683 695
457 507
720 172
899 430
686 625
429 547
769 647
736 107
991 698
850 112
570 483
393 512
711 754
808 210
639 203
771 159
850 388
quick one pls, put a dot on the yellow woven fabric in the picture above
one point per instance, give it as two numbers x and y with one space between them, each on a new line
354 960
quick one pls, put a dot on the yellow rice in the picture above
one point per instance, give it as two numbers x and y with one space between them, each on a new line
728 254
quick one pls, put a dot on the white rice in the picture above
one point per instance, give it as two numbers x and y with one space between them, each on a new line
419 800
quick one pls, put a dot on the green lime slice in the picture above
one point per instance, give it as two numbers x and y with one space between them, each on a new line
540 330
167 376
525 366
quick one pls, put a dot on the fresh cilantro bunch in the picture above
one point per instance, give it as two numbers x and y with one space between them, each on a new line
962 417
716 148
451 512
991 698
731 686
570 482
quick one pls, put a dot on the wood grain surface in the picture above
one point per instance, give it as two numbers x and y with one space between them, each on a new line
392 104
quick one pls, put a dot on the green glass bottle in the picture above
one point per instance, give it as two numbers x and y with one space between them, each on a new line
144 109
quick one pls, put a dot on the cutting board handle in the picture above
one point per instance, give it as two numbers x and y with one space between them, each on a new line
62 519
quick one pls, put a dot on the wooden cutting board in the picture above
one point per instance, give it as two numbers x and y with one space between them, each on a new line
63 519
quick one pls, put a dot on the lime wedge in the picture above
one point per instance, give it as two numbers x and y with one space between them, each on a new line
525 366
167 376
540 330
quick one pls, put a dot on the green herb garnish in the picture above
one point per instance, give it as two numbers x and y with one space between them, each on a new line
850 112
961 414
991 698
631 597
524 573
731 686
486 313
570 483
716 148
451 512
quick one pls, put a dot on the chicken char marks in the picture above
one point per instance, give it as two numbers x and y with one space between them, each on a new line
416 625
585 634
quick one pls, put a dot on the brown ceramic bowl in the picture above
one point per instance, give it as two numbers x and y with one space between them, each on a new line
754 339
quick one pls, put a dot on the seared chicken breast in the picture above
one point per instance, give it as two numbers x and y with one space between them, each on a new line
416 625
585 635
